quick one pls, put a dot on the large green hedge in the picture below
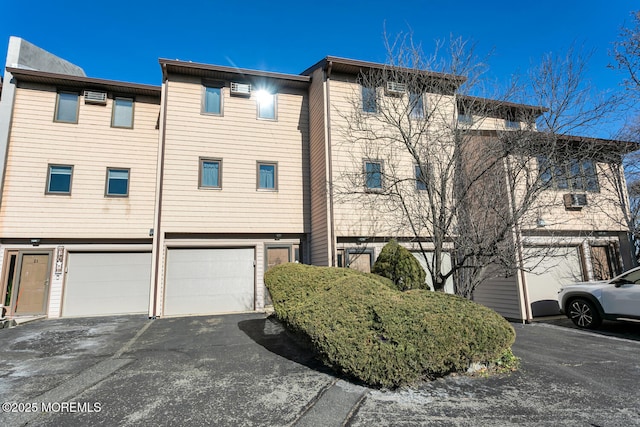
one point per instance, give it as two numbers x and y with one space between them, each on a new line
360 326
396 263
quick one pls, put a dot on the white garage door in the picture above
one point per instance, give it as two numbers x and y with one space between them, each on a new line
206 281
105 283
446 266
548 274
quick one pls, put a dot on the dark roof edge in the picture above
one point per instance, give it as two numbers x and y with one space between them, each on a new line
355 63
231 70
499 103
629 146
65 79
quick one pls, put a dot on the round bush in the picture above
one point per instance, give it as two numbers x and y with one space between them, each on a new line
361 327
396 263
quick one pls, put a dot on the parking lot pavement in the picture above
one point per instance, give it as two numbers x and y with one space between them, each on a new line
224 370
567 378
42 355
245 370
627 330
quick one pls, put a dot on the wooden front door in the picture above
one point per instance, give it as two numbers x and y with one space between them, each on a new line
360 261
604 262
33 284
275 256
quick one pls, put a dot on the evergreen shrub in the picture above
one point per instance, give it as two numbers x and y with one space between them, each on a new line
396 263
363 328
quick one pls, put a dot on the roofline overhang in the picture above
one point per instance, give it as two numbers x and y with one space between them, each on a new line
354 66
494 104
79 82
623 147
620 146
229 73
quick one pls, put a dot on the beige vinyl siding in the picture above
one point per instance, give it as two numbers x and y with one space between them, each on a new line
320 221
240 140
353 215
501 294
603 211
362 214
489 123
90 146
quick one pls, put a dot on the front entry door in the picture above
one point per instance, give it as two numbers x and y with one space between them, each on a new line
360 261
33 284
604 262
275 256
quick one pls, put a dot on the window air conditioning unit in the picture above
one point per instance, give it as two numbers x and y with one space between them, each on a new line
242 89
396 88
575 201
95 97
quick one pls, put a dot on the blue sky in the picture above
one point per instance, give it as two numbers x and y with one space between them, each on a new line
122 40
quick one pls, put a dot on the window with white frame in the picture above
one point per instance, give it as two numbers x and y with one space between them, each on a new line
122 116
67 104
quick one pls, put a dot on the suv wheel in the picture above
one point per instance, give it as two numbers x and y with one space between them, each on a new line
584 314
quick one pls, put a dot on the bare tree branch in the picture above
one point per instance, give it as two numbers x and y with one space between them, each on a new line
457 174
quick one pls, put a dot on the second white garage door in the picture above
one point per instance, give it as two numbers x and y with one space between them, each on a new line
548 274
207 281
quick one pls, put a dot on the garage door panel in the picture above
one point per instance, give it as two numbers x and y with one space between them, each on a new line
446 266
205 281
107 283
547 275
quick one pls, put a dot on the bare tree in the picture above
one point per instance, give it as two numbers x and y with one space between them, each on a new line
626 53
455 173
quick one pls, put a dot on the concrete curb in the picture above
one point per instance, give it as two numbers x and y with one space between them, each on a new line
334 405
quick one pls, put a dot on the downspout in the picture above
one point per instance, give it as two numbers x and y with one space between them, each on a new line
157 240
327 76
518 240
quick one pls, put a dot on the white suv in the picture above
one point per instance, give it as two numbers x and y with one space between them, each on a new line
587 303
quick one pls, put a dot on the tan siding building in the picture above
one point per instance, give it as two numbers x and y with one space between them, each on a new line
78 196
174 200
234 188
319 153
90 147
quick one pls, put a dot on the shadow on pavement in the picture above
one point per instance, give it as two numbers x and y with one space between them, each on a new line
272 335
626 330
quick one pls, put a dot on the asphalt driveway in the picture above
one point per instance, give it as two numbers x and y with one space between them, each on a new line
239 370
